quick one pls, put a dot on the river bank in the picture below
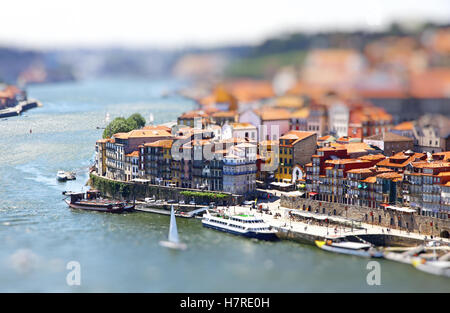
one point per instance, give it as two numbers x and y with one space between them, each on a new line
121 252
21 107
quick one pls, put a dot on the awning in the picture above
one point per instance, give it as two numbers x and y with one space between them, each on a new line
401 209
280 184
295 193
313 193
384 204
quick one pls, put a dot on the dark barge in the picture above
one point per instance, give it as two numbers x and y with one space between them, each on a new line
91 201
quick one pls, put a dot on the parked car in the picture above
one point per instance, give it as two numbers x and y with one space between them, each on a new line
172 201
192 202
248 202
212 205
181 202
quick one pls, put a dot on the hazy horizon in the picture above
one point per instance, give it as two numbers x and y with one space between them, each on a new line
50 24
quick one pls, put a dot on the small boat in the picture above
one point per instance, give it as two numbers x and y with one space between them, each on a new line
243 225
173 241
61 176
347 247
406 257
71 175
438 266
91 201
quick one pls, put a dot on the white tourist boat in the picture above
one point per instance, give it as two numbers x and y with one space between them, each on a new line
347 247
242 225
173 241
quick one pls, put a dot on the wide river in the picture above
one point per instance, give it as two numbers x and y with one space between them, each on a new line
120 253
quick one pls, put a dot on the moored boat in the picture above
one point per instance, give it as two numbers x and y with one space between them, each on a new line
243 225
61 176
440 268
347 247
436 266
91 201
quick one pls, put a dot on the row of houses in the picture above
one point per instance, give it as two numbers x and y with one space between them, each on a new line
181 157
420 181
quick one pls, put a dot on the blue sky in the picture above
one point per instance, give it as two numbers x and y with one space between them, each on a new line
175 23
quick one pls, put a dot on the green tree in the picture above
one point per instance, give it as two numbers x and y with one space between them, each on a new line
118 125
138 119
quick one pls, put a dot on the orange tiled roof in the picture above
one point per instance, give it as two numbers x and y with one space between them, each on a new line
224 114
160 143
289 102
271 114
370 180
389 137
297 135
433 83
390 175
193 114
133 154
242 126
400 156
302 113
405 126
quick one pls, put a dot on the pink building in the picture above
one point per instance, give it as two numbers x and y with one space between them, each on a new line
272 123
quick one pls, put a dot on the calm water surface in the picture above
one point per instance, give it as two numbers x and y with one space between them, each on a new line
119 253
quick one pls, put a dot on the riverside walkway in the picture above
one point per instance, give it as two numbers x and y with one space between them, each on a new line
308 231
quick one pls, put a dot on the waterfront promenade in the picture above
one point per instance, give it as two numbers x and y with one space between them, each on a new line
308 232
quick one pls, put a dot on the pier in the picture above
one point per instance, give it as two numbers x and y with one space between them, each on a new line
19 108
309 230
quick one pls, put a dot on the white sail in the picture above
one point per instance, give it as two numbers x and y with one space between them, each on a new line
173 242
173 231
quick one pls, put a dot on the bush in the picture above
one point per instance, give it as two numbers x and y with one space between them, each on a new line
122 125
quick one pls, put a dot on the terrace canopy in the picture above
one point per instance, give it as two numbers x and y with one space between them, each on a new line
401 209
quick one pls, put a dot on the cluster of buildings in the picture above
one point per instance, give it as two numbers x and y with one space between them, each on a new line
350 129
181 156
10 96
420 181
232 152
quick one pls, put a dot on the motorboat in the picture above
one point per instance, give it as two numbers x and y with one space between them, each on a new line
348 247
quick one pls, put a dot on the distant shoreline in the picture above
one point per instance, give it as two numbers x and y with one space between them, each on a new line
21 107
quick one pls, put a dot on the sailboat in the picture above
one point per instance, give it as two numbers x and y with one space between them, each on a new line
173 241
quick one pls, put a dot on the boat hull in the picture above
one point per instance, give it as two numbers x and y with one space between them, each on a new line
429 268
96 208
249 234
360 253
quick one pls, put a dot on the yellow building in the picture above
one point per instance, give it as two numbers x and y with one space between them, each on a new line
296 149
100 156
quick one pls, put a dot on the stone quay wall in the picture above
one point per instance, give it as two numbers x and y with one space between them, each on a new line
388 218
129 190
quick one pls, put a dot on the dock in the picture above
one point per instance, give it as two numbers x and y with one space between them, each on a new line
164 209
22 106
308 232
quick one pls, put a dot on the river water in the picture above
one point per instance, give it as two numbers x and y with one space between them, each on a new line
120 253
